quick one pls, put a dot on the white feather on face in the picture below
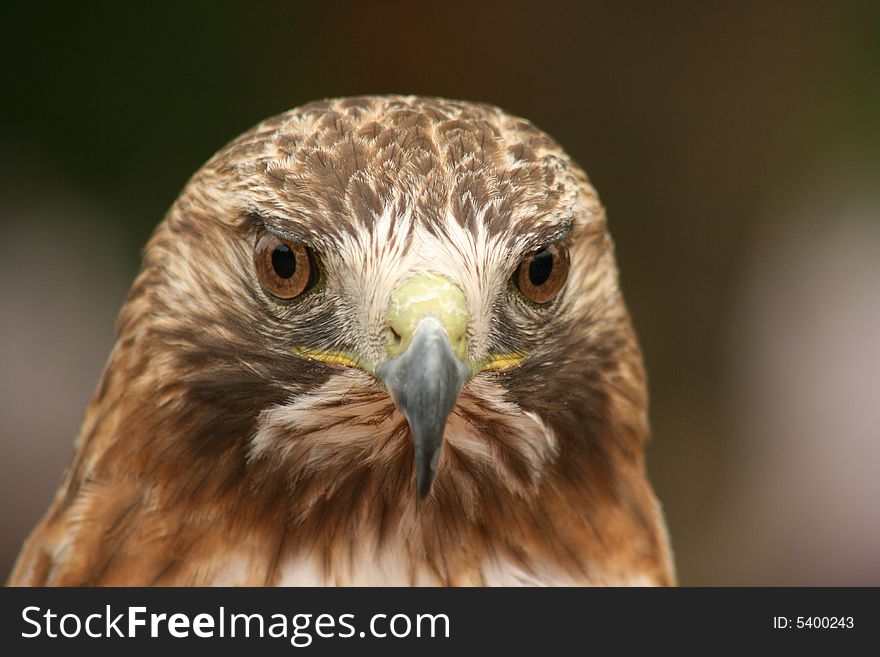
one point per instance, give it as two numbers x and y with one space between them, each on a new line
349 421
364 269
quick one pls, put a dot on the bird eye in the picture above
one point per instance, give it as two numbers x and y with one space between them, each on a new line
542 273
285 268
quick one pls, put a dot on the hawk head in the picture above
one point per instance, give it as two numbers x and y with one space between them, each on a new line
384 320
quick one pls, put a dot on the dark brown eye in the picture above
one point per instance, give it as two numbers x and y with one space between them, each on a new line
542 274
285 268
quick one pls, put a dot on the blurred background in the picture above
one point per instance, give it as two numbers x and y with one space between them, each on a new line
736 147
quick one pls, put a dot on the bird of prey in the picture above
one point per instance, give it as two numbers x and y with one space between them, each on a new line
375 341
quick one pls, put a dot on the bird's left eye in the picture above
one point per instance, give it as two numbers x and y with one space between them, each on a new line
285 268
541 275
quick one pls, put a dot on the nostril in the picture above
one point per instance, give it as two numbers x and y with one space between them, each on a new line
393 336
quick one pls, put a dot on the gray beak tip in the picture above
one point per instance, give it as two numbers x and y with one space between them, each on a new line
424 480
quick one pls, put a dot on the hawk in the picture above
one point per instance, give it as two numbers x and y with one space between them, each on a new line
375 341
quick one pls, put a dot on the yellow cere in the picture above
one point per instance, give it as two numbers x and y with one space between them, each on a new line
427 295
418 297
502 361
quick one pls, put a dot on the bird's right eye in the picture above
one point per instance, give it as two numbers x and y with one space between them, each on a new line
286 269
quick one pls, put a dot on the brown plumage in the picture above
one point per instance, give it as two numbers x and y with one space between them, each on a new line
238 437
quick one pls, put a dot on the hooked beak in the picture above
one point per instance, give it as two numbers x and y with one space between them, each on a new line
425 371
424 383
